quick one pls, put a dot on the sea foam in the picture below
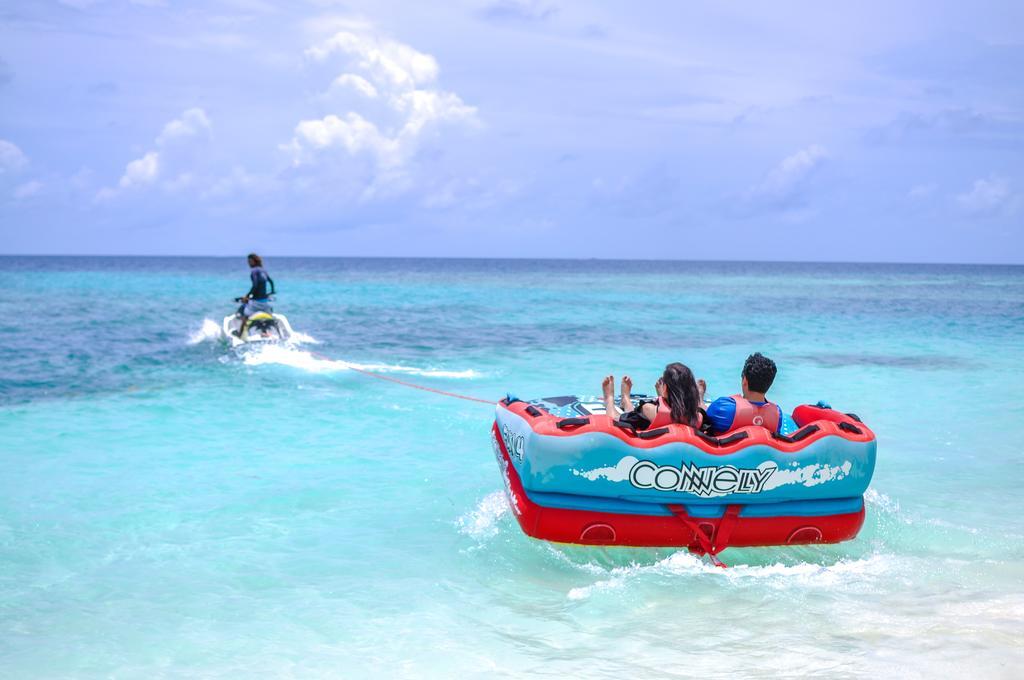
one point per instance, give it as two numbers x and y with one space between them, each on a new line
289 355
777 575
209 331
482 521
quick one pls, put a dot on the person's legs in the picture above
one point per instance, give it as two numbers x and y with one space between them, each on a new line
244 312
608 387
626 394
251 308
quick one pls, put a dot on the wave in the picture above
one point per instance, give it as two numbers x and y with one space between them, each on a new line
841 572
482 521
300 338
210 331
486 519
289 355
881 502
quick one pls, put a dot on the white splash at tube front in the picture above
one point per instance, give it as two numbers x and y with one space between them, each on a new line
482 521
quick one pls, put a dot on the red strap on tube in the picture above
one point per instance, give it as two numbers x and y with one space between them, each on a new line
725 527
717 543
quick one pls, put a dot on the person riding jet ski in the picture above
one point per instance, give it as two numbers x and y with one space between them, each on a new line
255 320
257 299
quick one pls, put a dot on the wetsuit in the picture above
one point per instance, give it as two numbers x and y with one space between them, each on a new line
259 299
258 291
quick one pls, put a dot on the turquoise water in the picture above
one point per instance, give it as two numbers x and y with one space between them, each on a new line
170 507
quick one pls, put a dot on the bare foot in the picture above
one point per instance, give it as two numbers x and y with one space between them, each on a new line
625 392
701 388
608 386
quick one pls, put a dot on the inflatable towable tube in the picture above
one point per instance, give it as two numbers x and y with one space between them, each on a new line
575 475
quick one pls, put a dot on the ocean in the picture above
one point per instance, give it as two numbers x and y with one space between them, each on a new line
170 507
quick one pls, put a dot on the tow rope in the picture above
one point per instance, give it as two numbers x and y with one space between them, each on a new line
420 387
454 395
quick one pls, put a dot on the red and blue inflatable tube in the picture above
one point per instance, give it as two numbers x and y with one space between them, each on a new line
594 483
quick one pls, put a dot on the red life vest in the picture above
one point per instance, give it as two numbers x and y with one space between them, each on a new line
766 415
664 416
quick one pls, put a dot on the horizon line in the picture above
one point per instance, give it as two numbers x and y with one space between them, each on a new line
514 258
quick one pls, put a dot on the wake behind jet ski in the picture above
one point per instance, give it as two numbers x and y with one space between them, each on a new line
255 320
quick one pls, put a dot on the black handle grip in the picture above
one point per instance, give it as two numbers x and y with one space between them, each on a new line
571 422
850 427
533 411
733 438
804 432
706 437
624 426
652 434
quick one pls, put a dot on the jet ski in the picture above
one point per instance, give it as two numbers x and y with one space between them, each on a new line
261 327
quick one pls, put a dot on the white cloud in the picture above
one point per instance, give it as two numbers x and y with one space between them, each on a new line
423 107
788 176
353 132
394 73
141 171
385 59
27 189
986 196
11 157
192 122
147 169
358 83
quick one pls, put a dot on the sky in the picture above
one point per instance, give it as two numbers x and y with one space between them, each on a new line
806 131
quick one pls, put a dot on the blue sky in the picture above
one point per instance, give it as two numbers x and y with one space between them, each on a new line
523 128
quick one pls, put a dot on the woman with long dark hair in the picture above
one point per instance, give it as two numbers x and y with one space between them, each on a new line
679 399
